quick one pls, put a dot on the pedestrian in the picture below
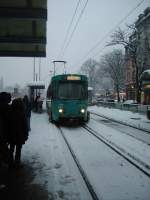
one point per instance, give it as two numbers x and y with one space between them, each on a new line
5 99
19 130
40 103
36 102
27 106
5 156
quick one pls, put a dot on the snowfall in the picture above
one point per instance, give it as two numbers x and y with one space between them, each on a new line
112 177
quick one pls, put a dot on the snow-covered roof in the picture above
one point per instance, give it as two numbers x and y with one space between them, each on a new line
145 75
90 88
147 71
36 83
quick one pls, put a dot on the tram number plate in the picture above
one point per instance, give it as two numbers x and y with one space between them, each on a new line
148 108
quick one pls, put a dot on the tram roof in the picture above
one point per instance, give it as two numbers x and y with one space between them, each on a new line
23 28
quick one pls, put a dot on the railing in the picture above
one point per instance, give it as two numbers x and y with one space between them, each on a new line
131 107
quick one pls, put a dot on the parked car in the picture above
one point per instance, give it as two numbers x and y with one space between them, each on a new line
110 100
130 101
100 100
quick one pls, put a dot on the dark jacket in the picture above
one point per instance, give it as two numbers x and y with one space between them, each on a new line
19 128
27 106
5 98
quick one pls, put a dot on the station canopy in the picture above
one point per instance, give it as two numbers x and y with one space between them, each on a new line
23 28
36 85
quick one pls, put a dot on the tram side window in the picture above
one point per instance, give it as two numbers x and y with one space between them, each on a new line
72 91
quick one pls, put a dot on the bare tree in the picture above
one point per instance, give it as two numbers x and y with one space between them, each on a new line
103 79
89 68
113 66
120 37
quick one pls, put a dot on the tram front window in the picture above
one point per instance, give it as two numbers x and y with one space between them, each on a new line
72 91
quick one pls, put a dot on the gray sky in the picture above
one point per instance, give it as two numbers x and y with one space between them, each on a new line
99 18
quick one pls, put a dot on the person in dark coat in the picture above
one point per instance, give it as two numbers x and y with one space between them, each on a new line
37 102
27 106
5 156
19 129
5 99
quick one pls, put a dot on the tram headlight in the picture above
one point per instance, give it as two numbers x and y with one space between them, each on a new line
82 111
60 110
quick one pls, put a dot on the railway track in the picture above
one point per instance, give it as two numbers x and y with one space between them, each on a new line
135 161
125 132
81 170
123 123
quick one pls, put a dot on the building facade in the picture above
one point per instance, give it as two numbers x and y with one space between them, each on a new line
140 61
143 40
130 75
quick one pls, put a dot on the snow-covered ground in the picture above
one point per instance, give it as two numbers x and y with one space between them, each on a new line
112 177
135 119
52 163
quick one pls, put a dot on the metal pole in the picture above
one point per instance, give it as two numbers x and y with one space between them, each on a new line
34 69
36 76
54 68
64 67
39 69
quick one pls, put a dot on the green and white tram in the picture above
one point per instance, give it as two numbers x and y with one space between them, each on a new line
67 98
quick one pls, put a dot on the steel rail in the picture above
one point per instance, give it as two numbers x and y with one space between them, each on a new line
125 133
146 131
139 164
81 170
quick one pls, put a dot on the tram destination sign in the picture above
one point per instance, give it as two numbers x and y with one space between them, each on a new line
73 78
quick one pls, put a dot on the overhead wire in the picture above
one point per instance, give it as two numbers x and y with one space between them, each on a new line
69 28
75 27
113 29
